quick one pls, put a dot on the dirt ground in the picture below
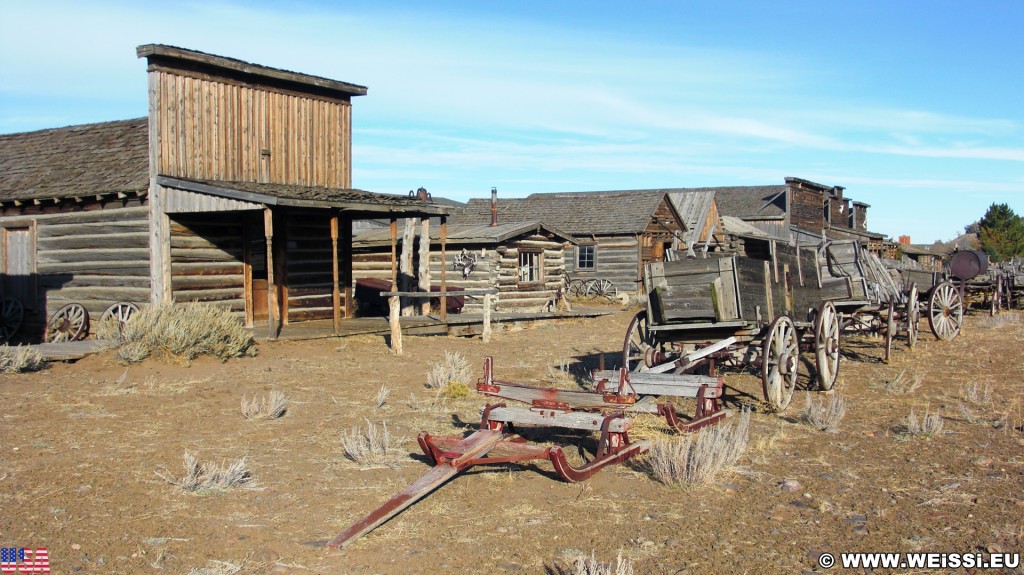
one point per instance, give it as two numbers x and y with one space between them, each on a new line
82 444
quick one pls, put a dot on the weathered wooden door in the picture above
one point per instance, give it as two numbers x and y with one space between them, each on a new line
256 264
19 265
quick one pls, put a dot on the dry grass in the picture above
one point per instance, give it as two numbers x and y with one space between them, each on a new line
697 459
207 477
369 446
977 393
183 331
450 378
217 568
19 359
928 425
903 384
583 564
382 396
824 415
265 407
1001 320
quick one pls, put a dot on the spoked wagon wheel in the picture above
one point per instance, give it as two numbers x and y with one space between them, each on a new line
121 312
638 343
11 314
603 288
69 323
780 357
890 328
826 345
577 288
913 316
945 311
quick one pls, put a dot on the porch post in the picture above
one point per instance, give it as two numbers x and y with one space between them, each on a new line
444 268
424 279
346 269
335 291
273 312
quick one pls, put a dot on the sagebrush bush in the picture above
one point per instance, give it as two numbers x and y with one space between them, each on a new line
265 407
589 565
928 425
698 458
183 331
368 446
211 476
824 415
450 378
19 359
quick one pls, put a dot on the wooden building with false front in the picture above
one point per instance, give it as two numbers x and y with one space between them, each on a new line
235 190
523 261
614 233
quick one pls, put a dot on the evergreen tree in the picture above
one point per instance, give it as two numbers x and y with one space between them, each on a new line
1001 233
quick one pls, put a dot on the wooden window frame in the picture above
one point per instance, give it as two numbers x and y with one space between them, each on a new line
538 256
593 257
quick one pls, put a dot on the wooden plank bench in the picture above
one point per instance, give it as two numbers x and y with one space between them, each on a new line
647 383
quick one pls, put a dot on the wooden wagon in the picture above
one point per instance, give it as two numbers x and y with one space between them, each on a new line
758 310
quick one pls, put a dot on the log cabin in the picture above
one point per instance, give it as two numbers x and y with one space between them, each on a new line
523 261
235 190
614 233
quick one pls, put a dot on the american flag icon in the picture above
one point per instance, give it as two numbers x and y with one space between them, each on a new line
24 560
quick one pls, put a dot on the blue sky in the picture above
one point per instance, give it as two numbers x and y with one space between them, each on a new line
915 107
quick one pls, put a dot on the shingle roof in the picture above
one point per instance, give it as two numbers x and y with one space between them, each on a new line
750 201
693 207
462 233
296 195
578 213
75 161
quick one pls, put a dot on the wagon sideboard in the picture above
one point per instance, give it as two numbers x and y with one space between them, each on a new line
741 289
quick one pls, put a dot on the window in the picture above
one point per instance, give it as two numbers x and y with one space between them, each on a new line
530 267
585 257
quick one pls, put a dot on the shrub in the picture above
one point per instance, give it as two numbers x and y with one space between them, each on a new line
699 458
265 408
19 359
589 565
180 330
382 396
211 476
902 384
822 415
450 378
928 425
367 446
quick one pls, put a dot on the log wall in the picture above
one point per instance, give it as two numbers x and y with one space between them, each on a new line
217 130
310 267
207 260
616 260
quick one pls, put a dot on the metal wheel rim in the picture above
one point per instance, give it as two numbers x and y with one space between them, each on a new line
779 344
638 340
10 319
945 312
826 345
69 323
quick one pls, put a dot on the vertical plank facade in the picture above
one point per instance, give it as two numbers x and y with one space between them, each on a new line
211 129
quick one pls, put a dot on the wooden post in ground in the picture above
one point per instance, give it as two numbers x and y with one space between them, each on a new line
405 283
394 318
335 279
272 309
424 275
486 334
346 269
444 268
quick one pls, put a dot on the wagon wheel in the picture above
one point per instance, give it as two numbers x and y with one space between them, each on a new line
69 323
592 288
826 345
638 341
913 316
577 288
780 357
604 288
945 311
11 314
890 328
121 312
